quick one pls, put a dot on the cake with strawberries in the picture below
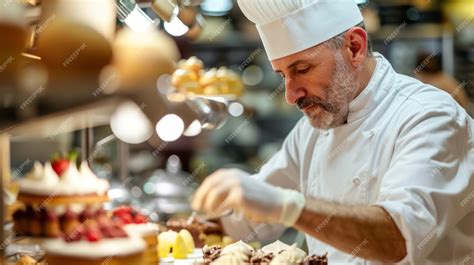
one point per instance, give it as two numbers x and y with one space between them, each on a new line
137 224
57 196
96 241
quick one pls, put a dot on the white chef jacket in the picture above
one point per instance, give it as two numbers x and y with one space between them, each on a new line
407 147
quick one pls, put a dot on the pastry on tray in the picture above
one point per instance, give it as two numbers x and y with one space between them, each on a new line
276 253
190 77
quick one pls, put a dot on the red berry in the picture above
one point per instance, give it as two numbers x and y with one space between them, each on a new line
60 165
140 219
75 235
127 219
52 216
118 222
119 232
107 231
93 235
122 210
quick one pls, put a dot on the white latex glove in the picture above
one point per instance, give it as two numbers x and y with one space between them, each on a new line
259 201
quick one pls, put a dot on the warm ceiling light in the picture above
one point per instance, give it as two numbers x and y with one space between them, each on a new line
170 128
130 124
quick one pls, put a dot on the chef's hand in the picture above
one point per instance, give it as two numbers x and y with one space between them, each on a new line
259 201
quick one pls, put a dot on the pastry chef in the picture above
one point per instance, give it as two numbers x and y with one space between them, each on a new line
380 169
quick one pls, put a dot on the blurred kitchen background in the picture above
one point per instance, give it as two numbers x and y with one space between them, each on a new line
432 40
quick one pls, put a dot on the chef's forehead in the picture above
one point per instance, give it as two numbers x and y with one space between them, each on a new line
314 55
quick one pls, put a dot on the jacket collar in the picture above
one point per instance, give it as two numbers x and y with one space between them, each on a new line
376 90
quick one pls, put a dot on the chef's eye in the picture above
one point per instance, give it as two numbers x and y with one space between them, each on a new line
303 70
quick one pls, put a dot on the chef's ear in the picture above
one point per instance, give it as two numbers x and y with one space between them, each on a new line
357 45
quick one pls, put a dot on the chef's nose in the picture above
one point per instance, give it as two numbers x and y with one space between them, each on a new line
293 91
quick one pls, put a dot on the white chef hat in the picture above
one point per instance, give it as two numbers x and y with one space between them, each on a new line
290 26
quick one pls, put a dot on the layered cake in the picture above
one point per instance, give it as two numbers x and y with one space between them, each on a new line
136 224
95 238
276 253
57 196
204 232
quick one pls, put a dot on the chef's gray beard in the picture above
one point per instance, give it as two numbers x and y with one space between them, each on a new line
339 94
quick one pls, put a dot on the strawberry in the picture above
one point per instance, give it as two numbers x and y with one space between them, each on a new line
75 235
122 210
118 221
60 165
127 218
119 232
140 219
107 231
93 235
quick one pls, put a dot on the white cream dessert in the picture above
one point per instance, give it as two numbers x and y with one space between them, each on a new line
44 181
277 253
238 247
275 247
235 254
236 258
290 256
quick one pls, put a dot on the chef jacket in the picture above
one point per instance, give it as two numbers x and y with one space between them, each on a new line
407 147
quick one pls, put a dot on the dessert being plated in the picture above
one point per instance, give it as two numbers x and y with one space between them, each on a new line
277 253
204 232
57 196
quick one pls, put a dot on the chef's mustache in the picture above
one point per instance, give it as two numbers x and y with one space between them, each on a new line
303 103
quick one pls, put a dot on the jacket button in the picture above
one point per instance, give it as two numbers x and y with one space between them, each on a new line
371 134
356 181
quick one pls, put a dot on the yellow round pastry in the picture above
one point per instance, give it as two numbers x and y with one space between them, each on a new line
209 78
186 81
213 89
194 64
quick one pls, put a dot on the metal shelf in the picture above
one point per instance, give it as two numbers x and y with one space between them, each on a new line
77 118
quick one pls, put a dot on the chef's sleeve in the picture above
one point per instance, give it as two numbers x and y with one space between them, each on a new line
280 170
430 176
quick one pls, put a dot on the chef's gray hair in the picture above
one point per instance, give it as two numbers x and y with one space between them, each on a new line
338 41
